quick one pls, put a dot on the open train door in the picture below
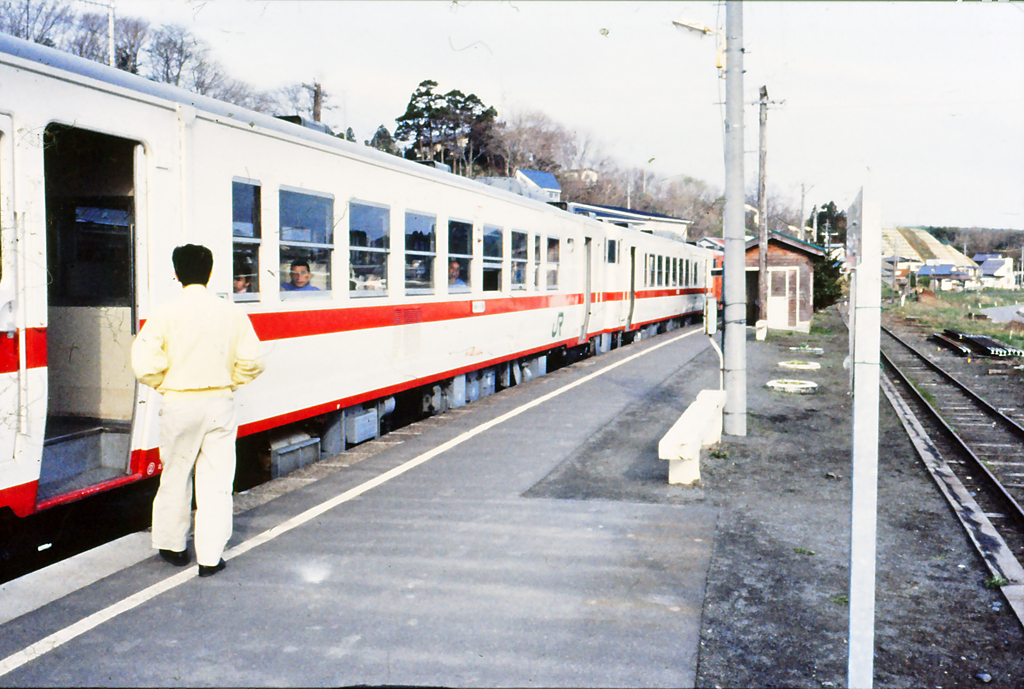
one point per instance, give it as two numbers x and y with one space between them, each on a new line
90 224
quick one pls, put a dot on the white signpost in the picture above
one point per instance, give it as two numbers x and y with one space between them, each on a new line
864 255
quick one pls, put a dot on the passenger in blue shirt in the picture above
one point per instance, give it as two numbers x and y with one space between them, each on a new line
454 270
299 278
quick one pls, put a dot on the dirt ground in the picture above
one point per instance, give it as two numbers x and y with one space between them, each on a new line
776 610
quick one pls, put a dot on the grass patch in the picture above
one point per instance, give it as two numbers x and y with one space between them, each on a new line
950 310
840 599
803 551
996 582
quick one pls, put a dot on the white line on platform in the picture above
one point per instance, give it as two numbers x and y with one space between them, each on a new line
61 637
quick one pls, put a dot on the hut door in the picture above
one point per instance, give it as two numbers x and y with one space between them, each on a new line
782 295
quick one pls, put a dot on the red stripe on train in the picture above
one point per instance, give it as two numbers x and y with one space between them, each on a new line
35 346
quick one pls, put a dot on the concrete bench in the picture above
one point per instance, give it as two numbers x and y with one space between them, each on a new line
699 426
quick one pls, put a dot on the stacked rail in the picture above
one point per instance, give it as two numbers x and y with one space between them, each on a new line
967 344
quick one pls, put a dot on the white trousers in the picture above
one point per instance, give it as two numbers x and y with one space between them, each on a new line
197 435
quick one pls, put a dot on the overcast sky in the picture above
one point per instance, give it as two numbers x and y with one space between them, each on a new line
921 103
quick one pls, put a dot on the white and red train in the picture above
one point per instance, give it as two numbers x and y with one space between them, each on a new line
429 286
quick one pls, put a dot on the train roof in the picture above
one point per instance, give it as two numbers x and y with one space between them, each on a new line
56 59
90 69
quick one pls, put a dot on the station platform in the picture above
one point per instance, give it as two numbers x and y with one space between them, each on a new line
530 538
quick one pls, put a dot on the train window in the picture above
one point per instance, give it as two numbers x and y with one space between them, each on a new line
613 251
247 233
420 252
659 273
306 222
675 271
520 247
460 255
536 260
369 240
552 274
689 277
650 270
494 246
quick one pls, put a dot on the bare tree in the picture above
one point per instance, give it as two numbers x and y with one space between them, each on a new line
529 139
129 39
46 22
89 39
170 52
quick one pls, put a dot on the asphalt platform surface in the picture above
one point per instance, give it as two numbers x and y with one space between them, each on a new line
532 539
494 562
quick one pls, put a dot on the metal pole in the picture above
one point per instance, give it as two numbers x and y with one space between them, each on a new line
734 288
110 32
762 213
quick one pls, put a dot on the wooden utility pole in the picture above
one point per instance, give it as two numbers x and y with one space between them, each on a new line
762 213
318 98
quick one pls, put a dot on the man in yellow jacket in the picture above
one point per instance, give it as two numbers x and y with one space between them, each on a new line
196 350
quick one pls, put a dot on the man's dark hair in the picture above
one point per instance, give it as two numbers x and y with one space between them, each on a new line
193 264
300 262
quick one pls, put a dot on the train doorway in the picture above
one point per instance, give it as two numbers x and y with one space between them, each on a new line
588 299
90 225
632 287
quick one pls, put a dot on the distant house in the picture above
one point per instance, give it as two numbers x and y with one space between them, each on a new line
949 277
544 182
586 176
996 271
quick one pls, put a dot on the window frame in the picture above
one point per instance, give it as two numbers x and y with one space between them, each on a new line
552 267
251 242
489 262
385 251
523 263
460 258
430 256
304 245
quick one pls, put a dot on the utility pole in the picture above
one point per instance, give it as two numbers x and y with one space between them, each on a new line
803 221
318 98
762 213
734 286
110 25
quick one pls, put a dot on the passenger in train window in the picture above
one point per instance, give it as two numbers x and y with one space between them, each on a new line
243 277
455 274
299 276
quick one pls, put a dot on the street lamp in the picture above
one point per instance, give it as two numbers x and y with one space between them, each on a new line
734 418
702 29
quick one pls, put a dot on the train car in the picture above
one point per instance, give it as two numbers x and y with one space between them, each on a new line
373 282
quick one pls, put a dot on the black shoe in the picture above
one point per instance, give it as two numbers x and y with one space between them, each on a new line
210 570
176 558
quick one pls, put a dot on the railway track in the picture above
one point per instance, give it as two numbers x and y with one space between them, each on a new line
974 452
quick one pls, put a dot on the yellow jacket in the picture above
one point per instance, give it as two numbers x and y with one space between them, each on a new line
197 345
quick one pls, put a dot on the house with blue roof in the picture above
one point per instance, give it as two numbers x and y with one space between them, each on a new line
996 271
542 184
948 276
